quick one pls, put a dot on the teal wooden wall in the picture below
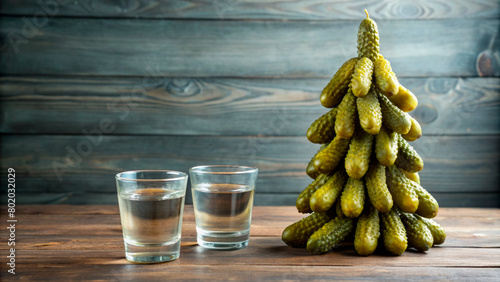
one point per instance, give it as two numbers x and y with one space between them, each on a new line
92 88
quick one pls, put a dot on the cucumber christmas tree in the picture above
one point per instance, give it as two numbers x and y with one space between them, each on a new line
365 173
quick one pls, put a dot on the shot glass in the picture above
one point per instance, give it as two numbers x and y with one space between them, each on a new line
223 200
151 207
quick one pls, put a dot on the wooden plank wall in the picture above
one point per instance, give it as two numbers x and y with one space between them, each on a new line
91 88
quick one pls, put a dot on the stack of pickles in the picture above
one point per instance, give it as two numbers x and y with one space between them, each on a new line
365 173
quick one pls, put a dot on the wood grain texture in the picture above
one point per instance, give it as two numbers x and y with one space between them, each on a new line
259 9
103 47
462 164
473 199
224 106
64 243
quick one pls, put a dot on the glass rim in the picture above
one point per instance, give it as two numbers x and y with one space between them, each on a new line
181 175
248 169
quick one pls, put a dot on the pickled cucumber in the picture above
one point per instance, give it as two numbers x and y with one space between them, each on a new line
338 209
408 159
327 160
392 117
386 147
352 200
345 122
310 170
323 198
368 39
411 175
437 231
337 87
385 79
393 232
369 112
405 100
358 156
427 205
322 130
330 235
297 234
419 236
367 231
362 77
415 131
304 197
376 186
403 194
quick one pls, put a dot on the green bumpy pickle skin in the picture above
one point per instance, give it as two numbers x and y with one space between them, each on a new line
334 91
419 236
297 234
402 191
330 235
338 209
369 112
310 170
415 131
427 205
324 198
357 160
393 232
386 147
361 80
392 117
327 160
367 232
376 186
408 159
352 200
438 234
385 79
345 122
304 197
368 39
413 176
322 130
405 100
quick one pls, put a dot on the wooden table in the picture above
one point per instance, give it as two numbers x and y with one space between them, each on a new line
85 242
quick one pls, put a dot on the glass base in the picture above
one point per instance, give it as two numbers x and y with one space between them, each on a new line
222 246
224 240
152 253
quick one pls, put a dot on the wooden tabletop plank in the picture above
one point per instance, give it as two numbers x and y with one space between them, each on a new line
172 270
85 242
269 251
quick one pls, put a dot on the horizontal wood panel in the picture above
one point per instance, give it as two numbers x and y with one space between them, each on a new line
475 199
224 106
64 46
452 164
258 9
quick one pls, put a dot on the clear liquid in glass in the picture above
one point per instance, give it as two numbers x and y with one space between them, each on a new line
223 214
151 222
